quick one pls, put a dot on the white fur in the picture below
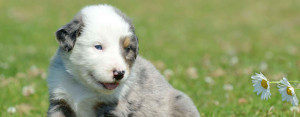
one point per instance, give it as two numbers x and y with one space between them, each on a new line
101 26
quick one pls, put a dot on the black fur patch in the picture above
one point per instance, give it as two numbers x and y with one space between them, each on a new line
129 52
105 110
66 36
130 115
178 97
61 107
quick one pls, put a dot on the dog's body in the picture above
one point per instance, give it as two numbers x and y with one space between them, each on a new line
97 72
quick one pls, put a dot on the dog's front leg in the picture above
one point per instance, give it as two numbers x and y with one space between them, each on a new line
59 108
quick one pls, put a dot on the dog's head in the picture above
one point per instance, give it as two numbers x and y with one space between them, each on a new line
99 47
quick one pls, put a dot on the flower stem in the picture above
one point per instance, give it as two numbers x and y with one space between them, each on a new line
272 82
279 82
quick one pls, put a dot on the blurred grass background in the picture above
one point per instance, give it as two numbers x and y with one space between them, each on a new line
207 49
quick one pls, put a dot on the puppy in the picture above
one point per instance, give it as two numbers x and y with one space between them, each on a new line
96 72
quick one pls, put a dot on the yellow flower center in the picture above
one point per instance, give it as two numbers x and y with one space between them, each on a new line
264 84
289 91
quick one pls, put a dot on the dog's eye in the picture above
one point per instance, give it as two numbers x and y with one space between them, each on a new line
128 49
98 47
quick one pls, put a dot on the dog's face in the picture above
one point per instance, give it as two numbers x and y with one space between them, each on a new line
100 47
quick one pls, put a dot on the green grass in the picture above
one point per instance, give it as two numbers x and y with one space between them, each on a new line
181 34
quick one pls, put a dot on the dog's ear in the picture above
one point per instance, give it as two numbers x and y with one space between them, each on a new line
137 45
66 35
132 29
134 39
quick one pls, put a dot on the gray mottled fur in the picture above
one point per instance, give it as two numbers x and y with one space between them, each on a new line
149 95
59 108
66 36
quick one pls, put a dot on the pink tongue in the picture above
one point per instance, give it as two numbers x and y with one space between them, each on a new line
110 86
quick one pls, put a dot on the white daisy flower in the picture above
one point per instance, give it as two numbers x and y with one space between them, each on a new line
168 73
11 109
228 87
192 72
27 90
209 80
287 92
261 85
295 109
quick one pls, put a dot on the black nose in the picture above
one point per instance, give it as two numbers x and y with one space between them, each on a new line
118 75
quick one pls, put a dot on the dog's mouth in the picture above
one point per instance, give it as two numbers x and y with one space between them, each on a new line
109 86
